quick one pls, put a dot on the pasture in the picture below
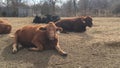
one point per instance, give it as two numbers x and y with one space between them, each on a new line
98 47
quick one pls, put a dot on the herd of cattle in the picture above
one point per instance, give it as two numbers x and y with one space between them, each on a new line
42 37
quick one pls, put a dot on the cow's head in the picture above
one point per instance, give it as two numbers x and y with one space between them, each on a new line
51 30
88 21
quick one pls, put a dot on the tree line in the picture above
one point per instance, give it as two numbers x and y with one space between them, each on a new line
60 7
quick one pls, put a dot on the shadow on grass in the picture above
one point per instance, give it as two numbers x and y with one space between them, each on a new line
38 59
110 44
113 44
86 36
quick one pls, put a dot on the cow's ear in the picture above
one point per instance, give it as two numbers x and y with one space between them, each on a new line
59 29
42 28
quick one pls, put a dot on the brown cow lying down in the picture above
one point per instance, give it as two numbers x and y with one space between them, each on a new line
39 37
76 24
5 27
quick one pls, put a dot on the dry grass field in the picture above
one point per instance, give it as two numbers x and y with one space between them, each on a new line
98 47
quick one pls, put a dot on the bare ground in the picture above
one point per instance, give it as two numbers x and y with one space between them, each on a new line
98 47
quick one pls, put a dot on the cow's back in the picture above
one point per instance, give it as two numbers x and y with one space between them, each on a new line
26 34
66 24
5 27
74 24
79 26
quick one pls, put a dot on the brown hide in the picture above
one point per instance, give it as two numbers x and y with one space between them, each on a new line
5 27
38 37
78 24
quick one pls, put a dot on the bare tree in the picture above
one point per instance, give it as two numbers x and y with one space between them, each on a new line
116 8
37 6
52 3
45 8
75 7
84 6
68 8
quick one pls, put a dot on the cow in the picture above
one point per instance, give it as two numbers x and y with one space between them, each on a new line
78 24
5 27
37 19
46 19
55 18
38 38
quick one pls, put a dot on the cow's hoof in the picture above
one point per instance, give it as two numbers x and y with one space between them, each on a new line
64 54
14 51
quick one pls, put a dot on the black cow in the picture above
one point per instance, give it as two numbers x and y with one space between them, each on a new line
37 19
55 18
46 19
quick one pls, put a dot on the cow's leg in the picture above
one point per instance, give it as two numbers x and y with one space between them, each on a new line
38 47
14 50
15 45
63 53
